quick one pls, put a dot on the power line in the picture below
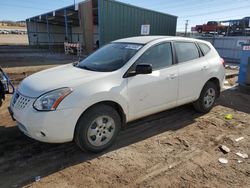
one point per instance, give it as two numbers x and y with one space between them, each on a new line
160 5
184 4
197 4
217 11
219 19
178 4
191 7
154 4
227 18
201 3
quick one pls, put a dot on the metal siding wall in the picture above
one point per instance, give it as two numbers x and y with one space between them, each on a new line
77 35
118 20
227 46
86 24
101 18
28 29
38 34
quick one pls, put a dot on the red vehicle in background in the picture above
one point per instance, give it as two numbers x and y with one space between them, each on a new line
211 26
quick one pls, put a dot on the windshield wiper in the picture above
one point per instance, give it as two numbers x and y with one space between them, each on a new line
85 67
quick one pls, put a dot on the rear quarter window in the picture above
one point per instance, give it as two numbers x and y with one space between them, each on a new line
186 51
204 48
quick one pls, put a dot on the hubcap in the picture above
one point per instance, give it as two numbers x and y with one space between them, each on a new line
209 98
101 130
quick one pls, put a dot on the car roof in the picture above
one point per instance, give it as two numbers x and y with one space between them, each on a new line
140 39
147 39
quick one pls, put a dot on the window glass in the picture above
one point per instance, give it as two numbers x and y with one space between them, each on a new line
159 56
110 57
186 51
205 48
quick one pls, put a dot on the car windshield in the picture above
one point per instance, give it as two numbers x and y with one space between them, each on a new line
111 57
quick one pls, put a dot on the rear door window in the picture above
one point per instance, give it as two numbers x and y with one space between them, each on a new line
186 51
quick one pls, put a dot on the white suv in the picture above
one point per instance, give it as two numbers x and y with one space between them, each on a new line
125 80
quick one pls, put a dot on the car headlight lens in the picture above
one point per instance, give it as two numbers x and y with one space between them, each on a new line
50 101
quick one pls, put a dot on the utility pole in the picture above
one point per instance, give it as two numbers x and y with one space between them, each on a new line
186 26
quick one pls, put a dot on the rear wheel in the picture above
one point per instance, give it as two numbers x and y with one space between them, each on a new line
98 128
207 98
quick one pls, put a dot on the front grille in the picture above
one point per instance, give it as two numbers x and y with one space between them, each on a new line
20 102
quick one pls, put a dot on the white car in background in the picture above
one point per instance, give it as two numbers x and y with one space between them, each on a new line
4 32
123 81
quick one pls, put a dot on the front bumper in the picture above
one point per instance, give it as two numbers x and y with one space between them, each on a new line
51 127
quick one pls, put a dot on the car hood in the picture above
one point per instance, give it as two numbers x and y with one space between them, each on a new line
58 77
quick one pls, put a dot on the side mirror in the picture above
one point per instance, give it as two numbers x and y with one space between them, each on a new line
143 69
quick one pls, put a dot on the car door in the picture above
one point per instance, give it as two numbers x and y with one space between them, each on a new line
192 68
151 93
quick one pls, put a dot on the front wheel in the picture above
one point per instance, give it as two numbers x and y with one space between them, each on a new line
207 98
97 128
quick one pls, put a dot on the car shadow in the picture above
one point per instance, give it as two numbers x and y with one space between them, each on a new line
23 159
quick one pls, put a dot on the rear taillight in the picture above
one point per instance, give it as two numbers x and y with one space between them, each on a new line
223 62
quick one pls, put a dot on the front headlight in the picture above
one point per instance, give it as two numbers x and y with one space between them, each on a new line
50 101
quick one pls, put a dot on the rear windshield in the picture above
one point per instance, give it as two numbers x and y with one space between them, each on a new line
111 57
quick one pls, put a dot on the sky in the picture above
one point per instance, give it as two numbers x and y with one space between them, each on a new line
195 11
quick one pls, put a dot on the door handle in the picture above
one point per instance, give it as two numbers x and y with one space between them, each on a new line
204 67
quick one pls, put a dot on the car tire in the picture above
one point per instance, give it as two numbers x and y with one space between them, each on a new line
97 128
207 98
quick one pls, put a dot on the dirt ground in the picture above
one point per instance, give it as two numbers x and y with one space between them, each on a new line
12 27
24 56
175 148
10 39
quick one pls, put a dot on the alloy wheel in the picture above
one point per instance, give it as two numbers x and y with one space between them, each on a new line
209 97
101 131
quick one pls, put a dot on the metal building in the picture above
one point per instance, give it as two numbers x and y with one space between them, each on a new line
96 22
